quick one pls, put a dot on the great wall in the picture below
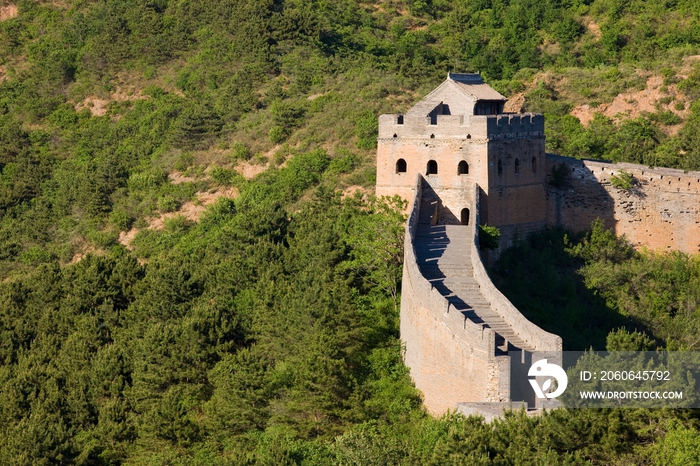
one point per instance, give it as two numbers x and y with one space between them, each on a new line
461 162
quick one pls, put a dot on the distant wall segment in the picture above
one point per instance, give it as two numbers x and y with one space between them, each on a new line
661 211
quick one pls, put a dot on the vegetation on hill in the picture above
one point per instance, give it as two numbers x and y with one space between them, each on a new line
142 321
594 288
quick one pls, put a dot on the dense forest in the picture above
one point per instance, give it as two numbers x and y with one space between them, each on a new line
193 269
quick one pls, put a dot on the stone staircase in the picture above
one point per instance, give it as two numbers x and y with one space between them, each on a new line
443 255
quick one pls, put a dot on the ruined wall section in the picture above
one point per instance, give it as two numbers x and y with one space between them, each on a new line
660 212
451 358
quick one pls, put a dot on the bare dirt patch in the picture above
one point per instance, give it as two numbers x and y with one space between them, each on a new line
634 103
81 255
191 211
550 48
3 72
8 12
515 104
594 29
178 178
351 190
126 237
97 106
250 170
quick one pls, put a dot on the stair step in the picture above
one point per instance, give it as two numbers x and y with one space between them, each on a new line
443 253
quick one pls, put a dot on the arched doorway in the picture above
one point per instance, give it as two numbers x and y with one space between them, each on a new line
464 217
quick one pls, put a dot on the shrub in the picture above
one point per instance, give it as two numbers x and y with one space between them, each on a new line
489 237
168 204
277 134
240 151
366 128
121 220
185 161
623 180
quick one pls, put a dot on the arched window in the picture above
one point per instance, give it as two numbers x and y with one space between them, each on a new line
517 166
401 166
399 120
432 136
534 165
469 136
464 217
462 168
395 135
432 168
500 168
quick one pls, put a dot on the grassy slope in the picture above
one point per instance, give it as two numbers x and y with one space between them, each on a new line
115 113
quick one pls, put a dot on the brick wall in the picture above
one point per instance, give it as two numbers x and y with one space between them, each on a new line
451 358
660 212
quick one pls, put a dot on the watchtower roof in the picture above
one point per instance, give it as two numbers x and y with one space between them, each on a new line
472 84
460 92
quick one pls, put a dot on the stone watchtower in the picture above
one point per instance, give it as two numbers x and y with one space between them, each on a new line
456 136
459 161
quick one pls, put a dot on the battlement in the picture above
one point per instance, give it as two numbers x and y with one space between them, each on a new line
478 127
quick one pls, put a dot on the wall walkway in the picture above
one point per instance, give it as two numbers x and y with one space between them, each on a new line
456 326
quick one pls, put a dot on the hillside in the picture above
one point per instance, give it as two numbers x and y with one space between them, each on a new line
193 269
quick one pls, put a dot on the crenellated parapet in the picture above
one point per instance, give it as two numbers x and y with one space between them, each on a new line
470 128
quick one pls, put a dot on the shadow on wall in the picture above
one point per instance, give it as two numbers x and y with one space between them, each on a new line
575 197
432 211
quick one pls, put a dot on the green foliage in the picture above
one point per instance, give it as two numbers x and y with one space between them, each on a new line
623 180
167 204
195 126
267 331
225 176
121 220
680 446
622 340
277 134
597 284
489 237
377 241
667 117
240 151
366 130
